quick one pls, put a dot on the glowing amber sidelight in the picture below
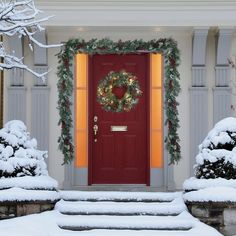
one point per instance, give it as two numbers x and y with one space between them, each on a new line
156 144
81 130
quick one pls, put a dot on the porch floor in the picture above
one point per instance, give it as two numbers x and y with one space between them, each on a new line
120 187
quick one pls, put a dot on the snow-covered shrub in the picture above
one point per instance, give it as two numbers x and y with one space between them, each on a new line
217 153
18 152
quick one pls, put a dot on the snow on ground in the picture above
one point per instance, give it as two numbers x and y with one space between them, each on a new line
112 195
194 183
29 182
214 194
45 224
19 194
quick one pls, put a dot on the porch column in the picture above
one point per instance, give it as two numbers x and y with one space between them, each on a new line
16 107
222 90
198 94
40 96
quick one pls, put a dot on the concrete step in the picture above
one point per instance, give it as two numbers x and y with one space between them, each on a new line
121 208
119 196
85 223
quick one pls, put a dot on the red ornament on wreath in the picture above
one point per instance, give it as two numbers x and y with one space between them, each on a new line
118 91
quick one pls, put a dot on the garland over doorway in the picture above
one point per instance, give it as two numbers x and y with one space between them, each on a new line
167 47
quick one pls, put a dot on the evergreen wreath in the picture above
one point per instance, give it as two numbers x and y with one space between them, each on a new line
127 96
166 46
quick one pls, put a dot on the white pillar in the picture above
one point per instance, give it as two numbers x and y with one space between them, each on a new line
198 94
222 91
40 96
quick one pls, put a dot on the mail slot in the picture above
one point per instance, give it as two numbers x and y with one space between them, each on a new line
116 128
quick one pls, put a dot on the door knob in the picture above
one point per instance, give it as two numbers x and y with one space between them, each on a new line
95 129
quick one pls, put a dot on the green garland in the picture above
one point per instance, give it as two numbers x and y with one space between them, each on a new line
167 46
122 79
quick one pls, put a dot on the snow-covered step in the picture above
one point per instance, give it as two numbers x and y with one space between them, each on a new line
84 223
121 208
119 196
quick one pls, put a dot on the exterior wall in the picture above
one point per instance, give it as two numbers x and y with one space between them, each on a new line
233 76
184 39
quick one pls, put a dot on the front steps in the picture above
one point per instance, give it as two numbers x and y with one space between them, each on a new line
120 196
121 208
142 211
85 223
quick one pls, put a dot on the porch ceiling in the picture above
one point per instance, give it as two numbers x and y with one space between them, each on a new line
140 13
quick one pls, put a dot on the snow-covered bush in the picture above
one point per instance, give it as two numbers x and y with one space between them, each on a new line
217 153
18 152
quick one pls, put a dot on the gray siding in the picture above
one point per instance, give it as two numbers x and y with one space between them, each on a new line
16 103
40 116
198 120
221 103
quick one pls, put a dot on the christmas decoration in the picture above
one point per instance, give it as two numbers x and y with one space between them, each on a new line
118 91
168 48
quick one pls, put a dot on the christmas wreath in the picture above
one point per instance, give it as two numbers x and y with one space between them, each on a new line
118 91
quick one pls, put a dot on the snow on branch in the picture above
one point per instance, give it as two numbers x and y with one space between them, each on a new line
10 62
20 17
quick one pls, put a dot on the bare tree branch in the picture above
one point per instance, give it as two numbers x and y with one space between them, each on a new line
20 17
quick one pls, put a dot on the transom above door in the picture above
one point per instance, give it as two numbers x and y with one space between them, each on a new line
119 147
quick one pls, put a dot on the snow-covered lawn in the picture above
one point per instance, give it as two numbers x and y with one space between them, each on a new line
45 224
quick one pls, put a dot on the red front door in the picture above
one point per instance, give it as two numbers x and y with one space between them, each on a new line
119 157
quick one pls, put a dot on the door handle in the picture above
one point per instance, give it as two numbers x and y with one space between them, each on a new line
95 129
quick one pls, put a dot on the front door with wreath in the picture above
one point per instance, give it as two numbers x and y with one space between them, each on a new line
119 98
119 119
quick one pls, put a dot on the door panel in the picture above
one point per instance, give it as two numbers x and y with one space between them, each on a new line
119 157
